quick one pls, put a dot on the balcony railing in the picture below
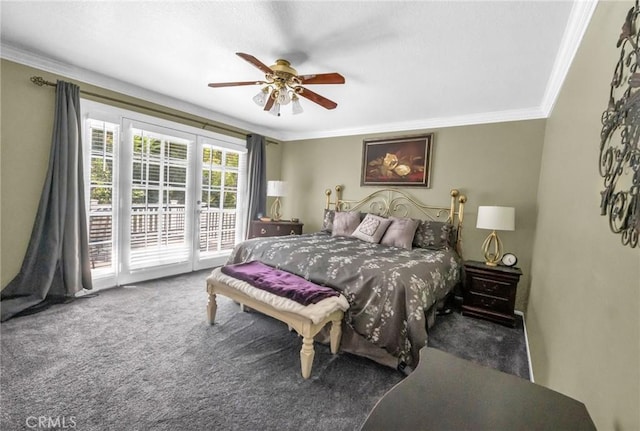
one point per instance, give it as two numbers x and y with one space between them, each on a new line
217 229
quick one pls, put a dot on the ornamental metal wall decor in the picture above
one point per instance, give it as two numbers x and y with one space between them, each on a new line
619 150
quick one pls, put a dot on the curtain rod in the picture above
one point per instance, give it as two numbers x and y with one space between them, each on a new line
40 81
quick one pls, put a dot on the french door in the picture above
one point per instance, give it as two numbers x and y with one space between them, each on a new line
220 192
163 200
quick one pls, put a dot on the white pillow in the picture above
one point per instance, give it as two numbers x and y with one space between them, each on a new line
371 228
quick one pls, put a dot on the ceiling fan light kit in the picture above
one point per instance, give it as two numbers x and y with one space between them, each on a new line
261 97
296 107
283 85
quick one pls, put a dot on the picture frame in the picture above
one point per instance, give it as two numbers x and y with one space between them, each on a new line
401 161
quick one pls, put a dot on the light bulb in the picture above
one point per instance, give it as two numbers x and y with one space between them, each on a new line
296 107
275 109
283 97
261 98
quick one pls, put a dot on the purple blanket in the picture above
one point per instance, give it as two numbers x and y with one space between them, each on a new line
279 282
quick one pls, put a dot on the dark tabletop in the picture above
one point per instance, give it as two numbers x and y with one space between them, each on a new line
448 393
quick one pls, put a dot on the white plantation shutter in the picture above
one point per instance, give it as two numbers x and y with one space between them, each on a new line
222 187
103 138
159 225
145 195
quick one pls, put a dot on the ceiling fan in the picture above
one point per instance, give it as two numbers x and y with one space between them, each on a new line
282 85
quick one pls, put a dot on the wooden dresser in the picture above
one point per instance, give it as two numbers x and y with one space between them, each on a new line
274 228
489 292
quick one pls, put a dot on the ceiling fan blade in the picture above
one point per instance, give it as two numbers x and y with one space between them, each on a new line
320 100
232 84
322 78
257 63
270 102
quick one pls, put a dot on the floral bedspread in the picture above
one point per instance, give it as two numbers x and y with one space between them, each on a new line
388 288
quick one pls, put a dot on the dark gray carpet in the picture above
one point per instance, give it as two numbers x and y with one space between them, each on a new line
483 342
143 358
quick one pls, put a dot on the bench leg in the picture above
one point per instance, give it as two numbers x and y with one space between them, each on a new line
212 307
306 356
335 334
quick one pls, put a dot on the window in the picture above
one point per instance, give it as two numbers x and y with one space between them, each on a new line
103 136
164 198
159 230
219 225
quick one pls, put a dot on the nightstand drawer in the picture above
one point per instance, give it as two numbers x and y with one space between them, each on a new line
488 302
489 292
492 287
264 229
271 230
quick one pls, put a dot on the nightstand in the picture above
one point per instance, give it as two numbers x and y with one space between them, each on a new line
489 292
274 228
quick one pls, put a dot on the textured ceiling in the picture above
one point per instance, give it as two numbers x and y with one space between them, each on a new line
407 65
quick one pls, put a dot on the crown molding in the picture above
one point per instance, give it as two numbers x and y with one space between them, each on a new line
580 16
27 58
581 13
431 123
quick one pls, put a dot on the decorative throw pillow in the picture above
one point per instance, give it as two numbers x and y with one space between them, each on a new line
345 222
371 228
327 221
400 232
434 235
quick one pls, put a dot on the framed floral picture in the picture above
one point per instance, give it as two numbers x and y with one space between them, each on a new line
402 161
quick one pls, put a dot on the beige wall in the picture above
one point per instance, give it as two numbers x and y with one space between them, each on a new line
584 305
25 139
493 164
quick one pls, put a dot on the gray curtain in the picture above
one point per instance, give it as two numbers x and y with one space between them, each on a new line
56 264
256 178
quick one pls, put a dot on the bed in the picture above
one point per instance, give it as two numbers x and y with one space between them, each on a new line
393 286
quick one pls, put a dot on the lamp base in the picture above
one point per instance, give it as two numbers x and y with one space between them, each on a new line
492 257
275 210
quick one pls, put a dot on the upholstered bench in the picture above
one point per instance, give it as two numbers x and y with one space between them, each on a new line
307 320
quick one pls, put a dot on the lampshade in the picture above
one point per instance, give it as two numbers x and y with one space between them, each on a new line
496 218
261 98
275 109
284 97
296 107
276 188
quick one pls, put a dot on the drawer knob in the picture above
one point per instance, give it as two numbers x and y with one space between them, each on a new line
263 231
293 232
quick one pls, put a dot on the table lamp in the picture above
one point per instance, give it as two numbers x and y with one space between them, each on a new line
277 189
494 218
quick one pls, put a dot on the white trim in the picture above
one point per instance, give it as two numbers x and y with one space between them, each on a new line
526 340
220 257
432 123
159 131
579 19
31 59
581 13
117 114
127 121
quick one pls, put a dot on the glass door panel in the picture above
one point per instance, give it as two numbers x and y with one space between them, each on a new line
219 226
103 138
162 198
158 238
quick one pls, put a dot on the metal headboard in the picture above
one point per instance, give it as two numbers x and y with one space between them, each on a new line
398 203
